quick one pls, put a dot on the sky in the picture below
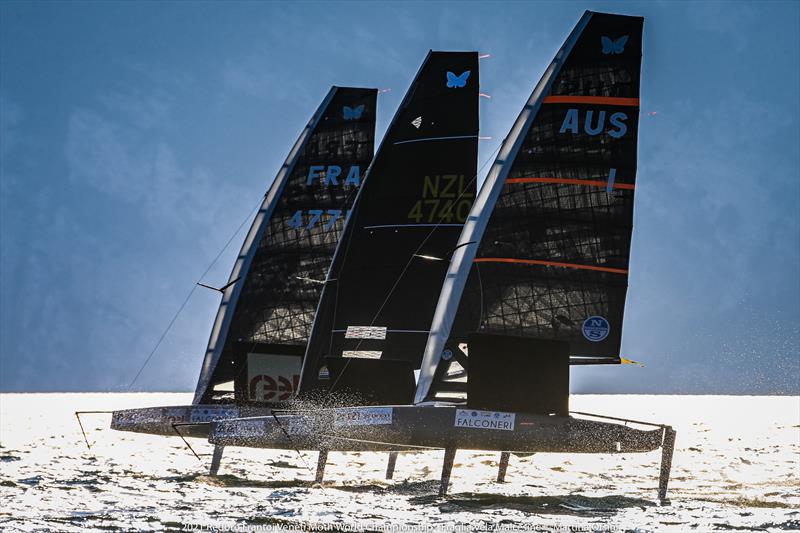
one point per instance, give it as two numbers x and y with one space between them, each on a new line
136 137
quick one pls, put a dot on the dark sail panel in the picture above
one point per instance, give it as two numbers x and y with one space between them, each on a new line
288 253
554 257
553 239
391 261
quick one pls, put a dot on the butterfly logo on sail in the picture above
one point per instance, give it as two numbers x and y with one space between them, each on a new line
417 122
352 113
456 82
611 47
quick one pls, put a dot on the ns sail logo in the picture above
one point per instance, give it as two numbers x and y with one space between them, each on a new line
596 328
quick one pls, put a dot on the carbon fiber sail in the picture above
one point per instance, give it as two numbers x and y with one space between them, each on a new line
545 253
265 317
381 290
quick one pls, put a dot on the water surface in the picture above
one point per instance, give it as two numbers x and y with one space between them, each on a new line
736 468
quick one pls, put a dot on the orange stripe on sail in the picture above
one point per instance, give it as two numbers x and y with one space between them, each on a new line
569 181
548 263
602 100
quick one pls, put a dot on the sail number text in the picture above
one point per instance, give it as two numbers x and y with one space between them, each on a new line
325 217
444 200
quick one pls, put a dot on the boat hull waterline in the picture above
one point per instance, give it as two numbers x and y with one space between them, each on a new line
414 427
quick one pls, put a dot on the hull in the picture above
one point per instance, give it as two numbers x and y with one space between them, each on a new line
186 420
409 427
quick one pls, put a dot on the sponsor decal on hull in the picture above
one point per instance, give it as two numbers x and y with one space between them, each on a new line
242 428
373 416
492 420
199 415
210 414
297 425
139 417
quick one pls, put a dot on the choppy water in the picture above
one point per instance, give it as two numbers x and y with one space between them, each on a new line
736 467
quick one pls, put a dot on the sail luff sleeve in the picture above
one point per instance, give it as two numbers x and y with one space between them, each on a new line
240 269
462 260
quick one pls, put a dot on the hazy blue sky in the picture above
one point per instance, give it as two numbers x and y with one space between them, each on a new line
136 137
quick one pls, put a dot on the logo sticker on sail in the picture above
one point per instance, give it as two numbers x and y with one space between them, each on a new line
596 328
613 46
457 81
371 416
494 420
352 113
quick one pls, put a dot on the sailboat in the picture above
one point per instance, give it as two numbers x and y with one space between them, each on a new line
254 355
535 283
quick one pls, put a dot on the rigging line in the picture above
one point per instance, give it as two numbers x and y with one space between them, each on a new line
78 416
294 446
408 264
85 438
186 442
191 292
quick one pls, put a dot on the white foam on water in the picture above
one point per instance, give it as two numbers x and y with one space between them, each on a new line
736 466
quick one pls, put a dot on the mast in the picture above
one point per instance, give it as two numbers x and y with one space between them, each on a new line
379 294
546 248
275 282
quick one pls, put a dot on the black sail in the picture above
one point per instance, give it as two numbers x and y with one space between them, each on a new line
265 318
382 286
553 222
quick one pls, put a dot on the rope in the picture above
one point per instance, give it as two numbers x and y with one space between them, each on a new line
191 292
